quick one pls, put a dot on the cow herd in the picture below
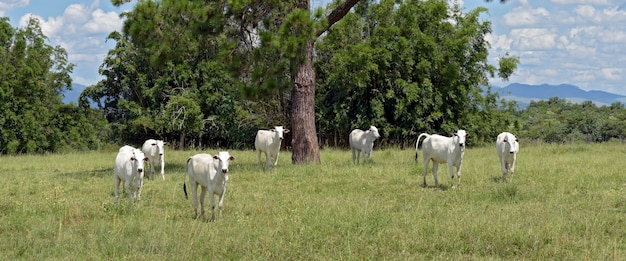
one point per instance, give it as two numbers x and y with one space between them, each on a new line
211 172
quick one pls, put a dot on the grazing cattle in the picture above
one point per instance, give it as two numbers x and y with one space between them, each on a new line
129 165
211 173
156 154
507 147
269 141
441 149
363 142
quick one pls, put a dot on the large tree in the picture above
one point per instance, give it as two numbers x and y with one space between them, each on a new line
287 32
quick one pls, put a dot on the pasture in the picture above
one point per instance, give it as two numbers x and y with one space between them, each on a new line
566 202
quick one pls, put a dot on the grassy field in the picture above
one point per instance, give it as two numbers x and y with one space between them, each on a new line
566 202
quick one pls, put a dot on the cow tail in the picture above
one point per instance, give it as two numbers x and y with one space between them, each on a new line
418 142
185 178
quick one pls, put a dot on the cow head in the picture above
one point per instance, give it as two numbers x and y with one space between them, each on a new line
138 159
223 158
461 136
279 130
157 146
512 143
373 130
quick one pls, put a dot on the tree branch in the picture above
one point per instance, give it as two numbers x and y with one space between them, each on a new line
337 14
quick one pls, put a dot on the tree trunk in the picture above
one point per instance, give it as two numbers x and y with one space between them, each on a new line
305 146
304 143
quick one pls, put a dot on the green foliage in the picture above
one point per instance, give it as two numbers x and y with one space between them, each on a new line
168 76
560 121
32 76
408 67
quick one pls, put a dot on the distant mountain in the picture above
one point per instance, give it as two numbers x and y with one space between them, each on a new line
72 96
525 93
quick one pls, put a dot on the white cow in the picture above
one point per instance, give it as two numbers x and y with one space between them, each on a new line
269 141
156 154
211 173
129 165
441 149
363 142
507 146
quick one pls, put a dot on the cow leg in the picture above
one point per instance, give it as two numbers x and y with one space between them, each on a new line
162 168
116 184
512 170
194 196
151 169
504 168
139 192
458 175
268 159
221 203
203 190
276 158
128 190
435 167
425 171
212 199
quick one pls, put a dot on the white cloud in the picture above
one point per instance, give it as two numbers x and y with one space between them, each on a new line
499 42
76 14
8 5
103 22
585 11
526 16
613 74
533 38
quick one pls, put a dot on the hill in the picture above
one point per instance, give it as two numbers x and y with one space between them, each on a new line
525 93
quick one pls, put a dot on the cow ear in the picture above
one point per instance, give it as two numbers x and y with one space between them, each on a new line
153 144
286 131
516 140
132 158
215 157
146 159
231 158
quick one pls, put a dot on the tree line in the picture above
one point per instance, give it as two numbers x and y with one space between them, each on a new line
209 74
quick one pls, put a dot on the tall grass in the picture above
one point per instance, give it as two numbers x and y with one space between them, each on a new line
566 202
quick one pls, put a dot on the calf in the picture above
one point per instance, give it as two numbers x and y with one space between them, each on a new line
128 168
507 147
155 153
269 141
363 142
441 149
211 173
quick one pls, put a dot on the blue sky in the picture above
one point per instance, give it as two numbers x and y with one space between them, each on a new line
579 42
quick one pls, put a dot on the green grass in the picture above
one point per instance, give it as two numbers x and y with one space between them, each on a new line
566 202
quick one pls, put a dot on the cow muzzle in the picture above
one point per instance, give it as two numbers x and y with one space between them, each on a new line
139 170
224 170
